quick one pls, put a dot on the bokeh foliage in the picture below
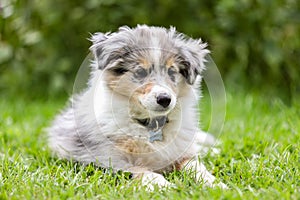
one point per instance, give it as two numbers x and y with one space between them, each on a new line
255 43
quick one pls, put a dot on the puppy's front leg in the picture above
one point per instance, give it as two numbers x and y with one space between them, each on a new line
149 178
201 173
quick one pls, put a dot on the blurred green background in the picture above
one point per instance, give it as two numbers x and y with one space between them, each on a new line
255 43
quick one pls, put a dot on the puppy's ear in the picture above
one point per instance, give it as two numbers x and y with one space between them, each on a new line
108 49
101 49
192 59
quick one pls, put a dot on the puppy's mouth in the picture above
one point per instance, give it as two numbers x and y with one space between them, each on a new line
154 126
154 122
143 122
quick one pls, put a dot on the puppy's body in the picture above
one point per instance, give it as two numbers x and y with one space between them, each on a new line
138 113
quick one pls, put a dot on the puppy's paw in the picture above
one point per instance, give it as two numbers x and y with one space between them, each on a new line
210 181
201 174
152 180
221 185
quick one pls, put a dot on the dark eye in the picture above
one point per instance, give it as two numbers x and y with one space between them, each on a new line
140 73
119 71
184 73
172 73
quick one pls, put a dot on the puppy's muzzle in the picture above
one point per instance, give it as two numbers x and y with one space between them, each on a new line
163 99
158 101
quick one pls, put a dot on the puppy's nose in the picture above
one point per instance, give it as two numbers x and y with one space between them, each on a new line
163 99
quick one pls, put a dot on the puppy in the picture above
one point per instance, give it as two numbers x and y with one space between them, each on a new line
138 113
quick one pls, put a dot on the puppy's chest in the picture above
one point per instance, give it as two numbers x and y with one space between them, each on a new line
157 155
135 140
133 145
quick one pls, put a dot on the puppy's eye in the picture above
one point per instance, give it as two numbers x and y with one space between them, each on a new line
119 71
184 73
140 73
172 73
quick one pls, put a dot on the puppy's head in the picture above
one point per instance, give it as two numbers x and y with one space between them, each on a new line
152 67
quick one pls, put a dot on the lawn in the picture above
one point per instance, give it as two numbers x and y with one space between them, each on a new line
259 156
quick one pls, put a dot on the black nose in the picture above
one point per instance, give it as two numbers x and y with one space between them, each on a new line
164 100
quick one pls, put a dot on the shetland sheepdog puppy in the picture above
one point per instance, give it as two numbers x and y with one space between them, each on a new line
138 113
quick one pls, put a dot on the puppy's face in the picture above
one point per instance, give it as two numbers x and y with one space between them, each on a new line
152 67
151 88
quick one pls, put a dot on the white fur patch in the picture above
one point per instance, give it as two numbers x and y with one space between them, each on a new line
150 180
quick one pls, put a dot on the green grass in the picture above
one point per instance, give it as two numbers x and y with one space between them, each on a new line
259 157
